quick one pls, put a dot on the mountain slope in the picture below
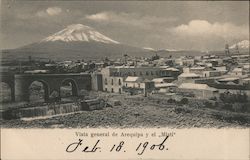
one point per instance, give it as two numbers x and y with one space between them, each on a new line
60 50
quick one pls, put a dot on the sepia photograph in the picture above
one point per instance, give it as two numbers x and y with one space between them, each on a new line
124 64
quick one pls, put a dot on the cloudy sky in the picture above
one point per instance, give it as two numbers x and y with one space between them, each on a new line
173 25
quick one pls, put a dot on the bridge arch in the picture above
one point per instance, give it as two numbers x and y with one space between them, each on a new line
6 92
45 87
51 83
69 82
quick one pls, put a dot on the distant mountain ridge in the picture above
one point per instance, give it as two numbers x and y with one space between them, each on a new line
241 45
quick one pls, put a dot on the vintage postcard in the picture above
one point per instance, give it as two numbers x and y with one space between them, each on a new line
124 80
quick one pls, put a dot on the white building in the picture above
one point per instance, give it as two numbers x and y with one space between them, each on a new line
165 87
114 76
199 90
137 85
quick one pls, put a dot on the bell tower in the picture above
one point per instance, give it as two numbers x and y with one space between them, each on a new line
237 49
227 52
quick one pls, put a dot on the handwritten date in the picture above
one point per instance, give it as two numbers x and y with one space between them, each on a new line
119 147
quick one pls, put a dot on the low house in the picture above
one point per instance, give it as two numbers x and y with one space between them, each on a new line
184 61
188 77
202 91
170 72
163 80
137 85
237 71
197 70
216 61
165 87
221 68
206 71
245 81
212 73
133 82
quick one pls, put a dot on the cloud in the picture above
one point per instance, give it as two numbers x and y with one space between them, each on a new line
54 11
99 16
132 19
51 11
203 28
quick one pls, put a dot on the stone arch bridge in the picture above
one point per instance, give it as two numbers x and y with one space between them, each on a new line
19 83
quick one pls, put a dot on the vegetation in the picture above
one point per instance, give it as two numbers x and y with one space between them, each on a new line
171 100
233 98
184 101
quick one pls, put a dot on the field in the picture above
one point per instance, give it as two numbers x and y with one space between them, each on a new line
139 111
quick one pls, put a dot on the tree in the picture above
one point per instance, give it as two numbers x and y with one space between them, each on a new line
155 57
184 101
171 100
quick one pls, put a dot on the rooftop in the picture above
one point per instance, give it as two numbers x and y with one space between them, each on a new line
132 79
228 79
164 85
246 79
188 75
237 70
158 80
196 86
198 68
171 69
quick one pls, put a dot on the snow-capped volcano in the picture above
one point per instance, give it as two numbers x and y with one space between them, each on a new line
241 45
76 41
79 32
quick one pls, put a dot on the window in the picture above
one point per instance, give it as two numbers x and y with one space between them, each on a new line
147 73
105 81
152 73
112 90
141 73
119 82
106 90
120 90
112 81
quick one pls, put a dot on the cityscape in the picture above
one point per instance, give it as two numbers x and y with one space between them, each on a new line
79 77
